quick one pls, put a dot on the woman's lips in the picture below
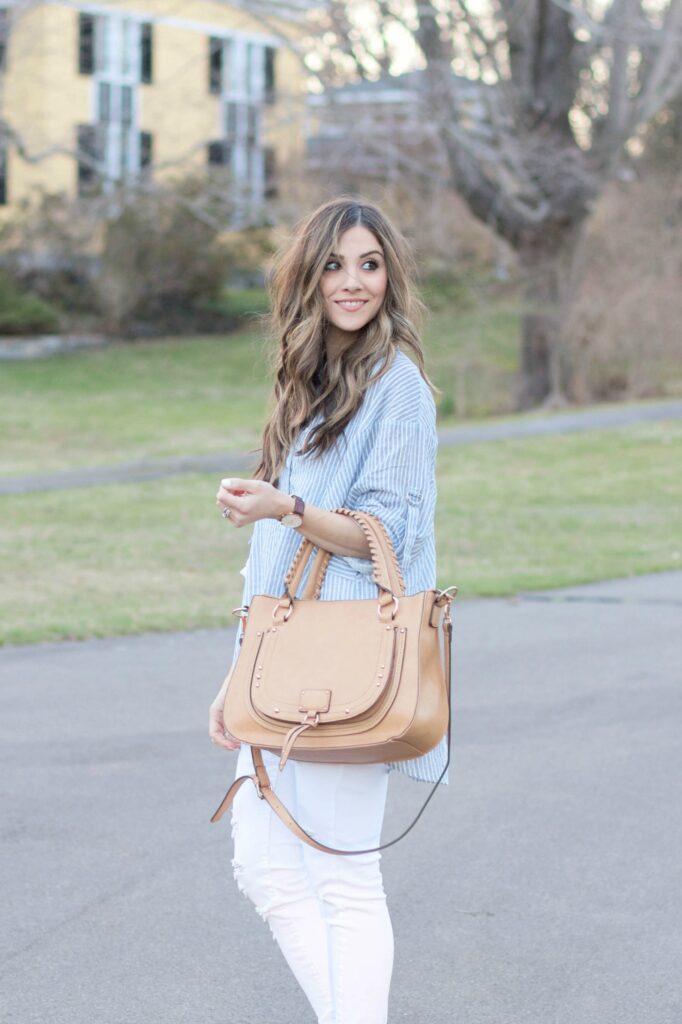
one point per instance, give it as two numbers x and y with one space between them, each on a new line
351 305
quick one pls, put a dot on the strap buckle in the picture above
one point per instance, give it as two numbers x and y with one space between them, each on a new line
443 597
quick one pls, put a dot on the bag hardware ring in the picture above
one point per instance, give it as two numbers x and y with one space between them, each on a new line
396 605
280 604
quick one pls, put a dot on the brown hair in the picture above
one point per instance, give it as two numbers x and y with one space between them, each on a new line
306 381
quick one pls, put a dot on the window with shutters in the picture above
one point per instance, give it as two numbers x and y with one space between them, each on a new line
4 36
270 172
126 105
219 154
128 47
231 120
269 88
3 175
241 74
88 141
146 147
249 85
118 51
146 53
215 65
86 44
252 120
104 102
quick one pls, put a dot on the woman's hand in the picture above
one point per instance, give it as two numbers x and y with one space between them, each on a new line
216 726
249 500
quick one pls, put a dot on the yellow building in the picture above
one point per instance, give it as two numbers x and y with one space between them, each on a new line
93 94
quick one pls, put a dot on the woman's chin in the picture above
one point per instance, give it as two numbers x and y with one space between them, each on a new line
349 323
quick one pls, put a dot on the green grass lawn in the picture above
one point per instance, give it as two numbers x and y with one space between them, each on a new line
157 399
512 515
152 399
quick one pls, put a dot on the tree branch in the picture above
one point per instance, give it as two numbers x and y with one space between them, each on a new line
663 82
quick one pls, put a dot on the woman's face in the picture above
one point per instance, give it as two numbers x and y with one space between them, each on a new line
354 280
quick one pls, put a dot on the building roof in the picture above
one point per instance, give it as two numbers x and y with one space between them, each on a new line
390 89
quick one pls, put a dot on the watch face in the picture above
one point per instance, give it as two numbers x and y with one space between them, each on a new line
291 519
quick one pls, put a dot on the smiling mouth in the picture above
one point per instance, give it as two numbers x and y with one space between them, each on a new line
351 305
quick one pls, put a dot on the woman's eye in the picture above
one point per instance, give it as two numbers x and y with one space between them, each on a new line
367 265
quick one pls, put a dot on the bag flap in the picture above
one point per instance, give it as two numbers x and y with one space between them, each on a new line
330 658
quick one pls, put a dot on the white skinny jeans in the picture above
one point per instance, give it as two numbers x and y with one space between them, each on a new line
327 913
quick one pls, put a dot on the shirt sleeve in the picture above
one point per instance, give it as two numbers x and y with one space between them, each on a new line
396 483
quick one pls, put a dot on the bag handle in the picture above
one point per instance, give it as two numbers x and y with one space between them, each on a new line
386 568
379 542
261 779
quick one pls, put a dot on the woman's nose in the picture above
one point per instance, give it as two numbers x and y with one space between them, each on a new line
350 282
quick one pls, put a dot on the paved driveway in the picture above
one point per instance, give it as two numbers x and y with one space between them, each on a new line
542 887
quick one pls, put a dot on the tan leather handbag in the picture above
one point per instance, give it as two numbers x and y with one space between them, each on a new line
349 681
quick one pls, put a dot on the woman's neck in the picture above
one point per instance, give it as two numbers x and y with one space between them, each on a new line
337 341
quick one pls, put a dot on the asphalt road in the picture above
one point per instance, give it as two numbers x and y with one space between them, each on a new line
543 886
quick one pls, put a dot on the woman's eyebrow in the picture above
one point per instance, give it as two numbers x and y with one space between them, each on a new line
363 255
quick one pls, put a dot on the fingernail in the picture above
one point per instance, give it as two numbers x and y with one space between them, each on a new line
227 482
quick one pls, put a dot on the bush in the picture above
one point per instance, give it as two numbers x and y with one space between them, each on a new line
143 262
622 332
49 248
23 313
161 259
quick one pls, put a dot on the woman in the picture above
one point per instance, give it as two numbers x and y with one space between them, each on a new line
353 425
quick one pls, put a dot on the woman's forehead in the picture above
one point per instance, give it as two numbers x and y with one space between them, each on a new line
357 241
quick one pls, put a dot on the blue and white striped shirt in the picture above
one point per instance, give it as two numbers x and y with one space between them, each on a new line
383 463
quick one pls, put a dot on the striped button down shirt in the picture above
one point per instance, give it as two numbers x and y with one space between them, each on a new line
383 463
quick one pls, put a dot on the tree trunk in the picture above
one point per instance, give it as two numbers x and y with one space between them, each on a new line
548 272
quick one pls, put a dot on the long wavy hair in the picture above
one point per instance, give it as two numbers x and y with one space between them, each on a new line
307 380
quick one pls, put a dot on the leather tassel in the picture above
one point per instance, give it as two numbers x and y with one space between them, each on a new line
290 739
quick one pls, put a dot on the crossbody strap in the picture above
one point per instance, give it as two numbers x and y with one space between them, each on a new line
261 779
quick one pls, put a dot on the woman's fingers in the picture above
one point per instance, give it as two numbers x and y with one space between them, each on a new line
227 502
237 499
231 492
223 739
226 742
217 733
237 486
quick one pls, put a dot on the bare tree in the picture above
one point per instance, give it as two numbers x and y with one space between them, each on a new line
564 86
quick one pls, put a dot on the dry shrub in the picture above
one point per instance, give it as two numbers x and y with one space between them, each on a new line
50 246
622 332
162 256
137 261
446 236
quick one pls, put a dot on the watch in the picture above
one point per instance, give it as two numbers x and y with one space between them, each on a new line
294 518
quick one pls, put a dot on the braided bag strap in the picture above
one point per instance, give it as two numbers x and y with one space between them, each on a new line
297 567
386 568
378 539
